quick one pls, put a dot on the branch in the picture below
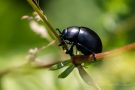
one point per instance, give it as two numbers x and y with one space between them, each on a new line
78 58
116 51
99 56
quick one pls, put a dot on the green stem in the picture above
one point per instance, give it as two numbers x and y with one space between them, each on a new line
43 17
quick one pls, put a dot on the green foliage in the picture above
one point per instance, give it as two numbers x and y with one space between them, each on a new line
65 73
60 65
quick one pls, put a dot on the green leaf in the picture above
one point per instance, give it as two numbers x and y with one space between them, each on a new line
87 78
60 65
66 72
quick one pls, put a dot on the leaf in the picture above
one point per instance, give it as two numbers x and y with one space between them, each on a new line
66 72
60 65
87 78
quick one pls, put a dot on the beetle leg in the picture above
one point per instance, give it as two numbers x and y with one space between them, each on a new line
93 54
70 51
64 44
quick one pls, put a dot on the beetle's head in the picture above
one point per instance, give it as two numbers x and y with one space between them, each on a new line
63 40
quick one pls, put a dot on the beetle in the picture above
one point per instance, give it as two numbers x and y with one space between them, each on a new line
85 40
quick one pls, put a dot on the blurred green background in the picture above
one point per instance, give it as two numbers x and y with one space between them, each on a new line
113 20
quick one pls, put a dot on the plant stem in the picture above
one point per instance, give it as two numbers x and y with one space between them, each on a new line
43 17
80 58
100 56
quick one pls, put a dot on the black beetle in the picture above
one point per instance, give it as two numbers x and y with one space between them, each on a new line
85 40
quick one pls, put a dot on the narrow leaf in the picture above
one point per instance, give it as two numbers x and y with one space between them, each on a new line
60 65
87 78
66 72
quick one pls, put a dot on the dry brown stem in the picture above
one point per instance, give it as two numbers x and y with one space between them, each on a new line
100 56
78 58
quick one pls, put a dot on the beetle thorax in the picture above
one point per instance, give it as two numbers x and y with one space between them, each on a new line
70 34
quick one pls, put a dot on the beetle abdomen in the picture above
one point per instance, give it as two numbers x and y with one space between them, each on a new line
88 41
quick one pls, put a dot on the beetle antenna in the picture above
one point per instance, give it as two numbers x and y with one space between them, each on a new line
59 31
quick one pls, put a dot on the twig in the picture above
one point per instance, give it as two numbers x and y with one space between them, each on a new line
79 58
116 51
99 56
